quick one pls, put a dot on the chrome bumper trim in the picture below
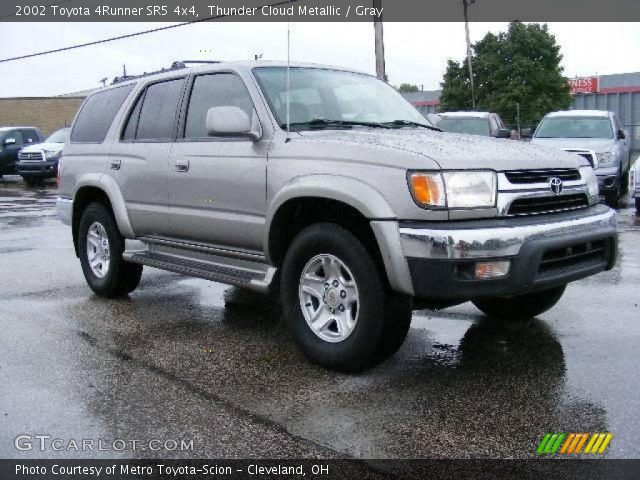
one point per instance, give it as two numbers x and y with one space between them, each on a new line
493 242
65 210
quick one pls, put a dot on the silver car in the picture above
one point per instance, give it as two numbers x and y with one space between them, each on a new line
599 137
326 185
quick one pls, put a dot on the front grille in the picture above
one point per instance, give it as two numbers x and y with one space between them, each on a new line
31 157
573 256
542 176
538 205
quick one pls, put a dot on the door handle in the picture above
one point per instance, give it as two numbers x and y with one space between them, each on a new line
182 166
114 164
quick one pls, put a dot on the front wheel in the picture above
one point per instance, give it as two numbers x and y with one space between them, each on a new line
100 246
520 307
638 206
335 301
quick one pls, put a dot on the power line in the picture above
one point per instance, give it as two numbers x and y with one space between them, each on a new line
129 35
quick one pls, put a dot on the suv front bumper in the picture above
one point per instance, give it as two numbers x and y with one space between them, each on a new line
544 252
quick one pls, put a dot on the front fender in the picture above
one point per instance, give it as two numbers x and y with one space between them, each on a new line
110 187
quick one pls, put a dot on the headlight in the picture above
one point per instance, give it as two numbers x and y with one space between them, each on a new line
606 157
592 181
475 189
51 154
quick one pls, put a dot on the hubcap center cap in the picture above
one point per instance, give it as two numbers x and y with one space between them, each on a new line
332 297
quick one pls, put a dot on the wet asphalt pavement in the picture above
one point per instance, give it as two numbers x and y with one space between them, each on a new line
188 359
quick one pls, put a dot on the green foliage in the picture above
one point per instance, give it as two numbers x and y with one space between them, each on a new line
521 65
408 88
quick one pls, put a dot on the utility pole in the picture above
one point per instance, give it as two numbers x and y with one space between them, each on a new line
465 5
379 42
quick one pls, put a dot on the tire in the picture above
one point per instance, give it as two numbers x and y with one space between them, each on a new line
113 277
612 199
637 206
32 182
624 180
520 307
374 322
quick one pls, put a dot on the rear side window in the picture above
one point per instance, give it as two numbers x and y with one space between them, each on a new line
97 114
158 112
217 90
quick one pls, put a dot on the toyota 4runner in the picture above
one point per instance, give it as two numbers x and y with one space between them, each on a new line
328 186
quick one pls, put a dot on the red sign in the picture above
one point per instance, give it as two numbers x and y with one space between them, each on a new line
584 85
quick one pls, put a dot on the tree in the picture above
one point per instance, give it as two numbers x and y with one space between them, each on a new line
408 88
521 65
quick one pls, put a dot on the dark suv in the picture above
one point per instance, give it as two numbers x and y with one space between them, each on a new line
12 140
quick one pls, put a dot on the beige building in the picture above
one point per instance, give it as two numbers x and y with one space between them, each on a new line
47 113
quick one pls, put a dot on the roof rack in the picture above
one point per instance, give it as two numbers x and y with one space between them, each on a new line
177 65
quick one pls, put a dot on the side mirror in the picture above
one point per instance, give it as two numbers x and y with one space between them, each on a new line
621 134
503 133
231 121
526 133
9 141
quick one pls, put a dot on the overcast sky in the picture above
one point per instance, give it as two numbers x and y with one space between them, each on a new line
415 52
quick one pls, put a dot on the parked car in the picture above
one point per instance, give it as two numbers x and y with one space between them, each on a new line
12 139
198 171
634 184
40 161
597 136
486 124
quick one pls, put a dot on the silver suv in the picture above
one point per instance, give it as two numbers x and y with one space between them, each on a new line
599 137
327 185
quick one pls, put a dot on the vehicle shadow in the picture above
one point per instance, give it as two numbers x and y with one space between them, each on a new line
491 392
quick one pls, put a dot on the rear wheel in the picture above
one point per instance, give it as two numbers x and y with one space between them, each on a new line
335 302
100 246
520 307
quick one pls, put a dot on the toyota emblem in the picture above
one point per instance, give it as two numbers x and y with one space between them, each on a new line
555 184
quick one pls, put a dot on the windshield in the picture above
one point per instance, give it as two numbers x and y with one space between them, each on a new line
59 136
470 125
575 127
333 98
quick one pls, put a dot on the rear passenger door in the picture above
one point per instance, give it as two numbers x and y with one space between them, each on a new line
217 184
139 160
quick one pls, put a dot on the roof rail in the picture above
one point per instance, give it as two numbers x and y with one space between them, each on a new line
177 65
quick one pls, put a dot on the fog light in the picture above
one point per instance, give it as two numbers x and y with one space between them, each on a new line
485 270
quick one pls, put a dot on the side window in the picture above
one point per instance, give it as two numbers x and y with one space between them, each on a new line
30 136
215 90
158 111
97 114
17 135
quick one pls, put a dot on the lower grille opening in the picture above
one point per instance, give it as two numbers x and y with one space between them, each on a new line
537 205
573 256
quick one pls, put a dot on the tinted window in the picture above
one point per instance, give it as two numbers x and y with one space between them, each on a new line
30 136
97 114
158 112
132 124
17 136
217 90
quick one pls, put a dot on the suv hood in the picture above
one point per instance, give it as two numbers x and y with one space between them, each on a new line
598 145
452 151
43 146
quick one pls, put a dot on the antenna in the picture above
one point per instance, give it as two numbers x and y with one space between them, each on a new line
288 77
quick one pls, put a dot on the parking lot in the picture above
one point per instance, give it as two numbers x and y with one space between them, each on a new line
188 359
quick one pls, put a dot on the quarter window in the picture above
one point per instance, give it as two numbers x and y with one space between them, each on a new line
97 114
216 90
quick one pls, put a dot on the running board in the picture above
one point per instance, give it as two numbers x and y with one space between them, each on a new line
243 273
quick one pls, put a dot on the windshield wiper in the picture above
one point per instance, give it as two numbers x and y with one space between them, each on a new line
325 123
409 123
